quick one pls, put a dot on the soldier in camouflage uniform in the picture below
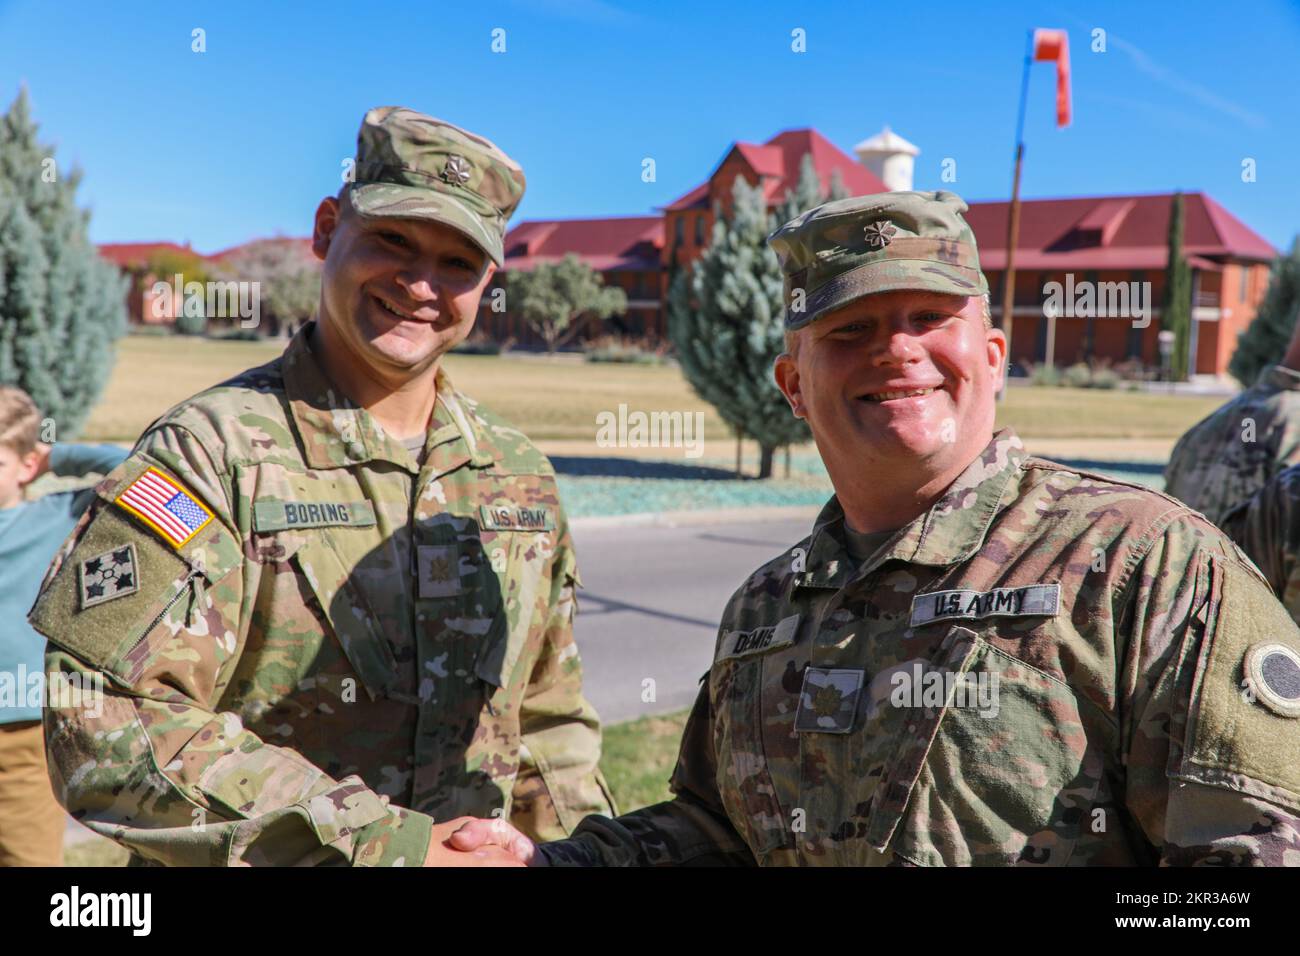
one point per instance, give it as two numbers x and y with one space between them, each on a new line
331 599
1268 529
978 657
1227 457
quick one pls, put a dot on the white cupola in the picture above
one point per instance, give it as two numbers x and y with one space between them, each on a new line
890 157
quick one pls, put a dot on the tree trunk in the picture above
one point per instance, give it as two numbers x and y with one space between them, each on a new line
765 461
576 325
740 437
787 461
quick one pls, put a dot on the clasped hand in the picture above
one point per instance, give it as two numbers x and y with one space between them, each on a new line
469 841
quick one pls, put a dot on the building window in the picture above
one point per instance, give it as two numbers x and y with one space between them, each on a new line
1245 275
699 229
680 230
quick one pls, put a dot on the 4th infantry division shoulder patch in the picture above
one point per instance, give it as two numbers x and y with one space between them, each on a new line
113 574
164 505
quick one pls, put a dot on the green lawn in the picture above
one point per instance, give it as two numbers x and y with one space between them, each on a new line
639 757
559 399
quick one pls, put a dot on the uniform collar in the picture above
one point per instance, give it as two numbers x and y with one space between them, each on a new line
1281 377
334 432
948 533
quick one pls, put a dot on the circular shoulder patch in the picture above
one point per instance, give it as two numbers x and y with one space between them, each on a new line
1274 673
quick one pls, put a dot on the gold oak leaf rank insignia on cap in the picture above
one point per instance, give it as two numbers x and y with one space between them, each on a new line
164 505
110 575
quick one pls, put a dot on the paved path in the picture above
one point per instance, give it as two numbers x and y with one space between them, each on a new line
651 600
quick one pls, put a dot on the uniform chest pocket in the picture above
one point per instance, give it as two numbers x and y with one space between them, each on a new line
996 774
318 559
486 591
515 578
744 723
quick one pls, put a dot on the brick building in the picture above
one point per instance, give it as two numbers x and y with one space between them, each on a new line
1104 239
1096 240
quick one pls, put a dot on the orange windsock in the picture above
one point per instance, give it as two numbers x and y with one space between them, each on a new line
1054 45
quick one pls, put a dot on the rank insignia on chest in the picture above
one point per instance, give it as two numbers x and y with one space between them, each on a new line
1027 601
828 702
511 517
166 506
438 567
110 575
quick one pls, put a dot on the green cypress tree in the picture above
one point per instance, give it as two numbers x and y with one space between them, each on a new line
726 316
1176 314
61 306
1268 336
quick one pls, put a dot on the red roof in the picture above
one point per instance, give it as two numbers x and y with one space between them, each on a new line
777 161
299 244
1111 232
131 255
620 242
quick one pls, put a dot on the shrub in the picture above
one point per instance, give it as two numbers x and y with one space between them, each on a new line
189 324
1105 378
1044 375
607 348
478 346
1077 375
237 335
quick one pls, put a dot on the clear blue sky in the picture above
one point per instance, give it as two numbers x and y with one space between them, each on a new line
242 141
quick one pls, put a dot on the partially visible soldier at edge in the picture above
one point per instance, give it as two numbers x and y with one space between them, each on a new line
1268 529
1227 457
978 657
333 597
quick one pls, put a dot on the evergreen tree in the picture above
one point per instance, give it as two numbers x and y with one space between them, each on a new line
726 316
1268 336
61 306
1176 314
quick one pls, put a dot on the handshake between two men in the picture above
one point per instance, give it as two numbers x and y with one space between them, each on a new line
471 841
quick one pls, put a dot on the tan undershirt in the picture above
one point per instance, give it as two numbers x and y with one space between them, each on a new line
862 546
415 445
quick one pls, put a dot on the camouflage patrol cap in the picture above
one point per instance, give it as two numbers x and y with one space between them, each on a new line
414 166
850 248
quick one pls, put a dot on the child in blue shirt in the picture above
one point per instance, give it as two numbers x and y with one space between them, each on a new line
31 820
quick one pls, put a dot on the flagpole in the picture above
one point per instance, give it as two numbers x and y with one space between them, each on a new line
1013 219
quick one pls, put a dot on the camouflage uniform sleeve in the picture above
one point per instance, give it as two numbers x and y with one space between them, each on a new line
559 780
692 829
150 762
1211 760
1268 529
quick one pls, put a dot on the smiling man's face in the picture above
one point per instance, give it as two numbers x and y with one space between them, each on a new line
906 379
396 293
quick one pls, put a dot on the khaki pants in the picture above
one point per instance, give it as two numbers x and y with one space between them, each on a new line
31 820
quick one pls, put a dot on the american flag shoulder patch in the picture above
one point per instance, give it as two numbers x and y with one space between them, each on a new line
162 503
